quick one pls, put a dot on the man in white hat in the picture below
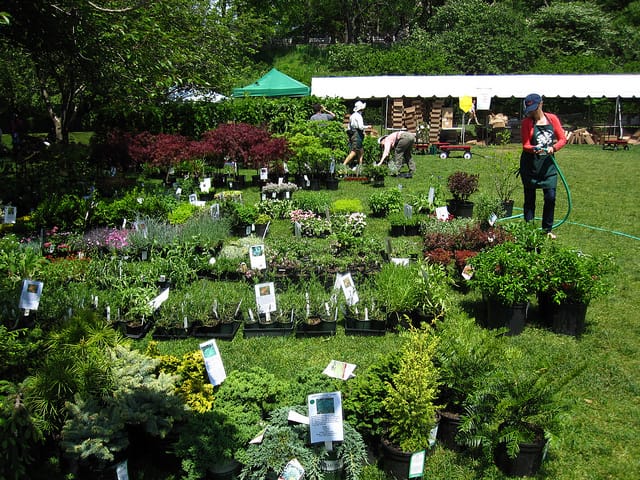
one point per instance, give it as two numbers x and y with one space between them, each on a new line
402 143
356 134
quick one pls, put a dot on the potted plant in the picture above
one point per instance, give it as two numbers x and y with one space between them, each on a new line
214 433
376 174
281 322
243 216
367 316
462 185
410 404
396 292
284 441
320 311
262 223
507 275
516 411
465 353
385 201
226 310
571 279
172 321
504 175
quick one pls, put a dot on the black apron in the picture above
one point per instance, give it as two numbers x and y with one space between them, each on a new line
538 169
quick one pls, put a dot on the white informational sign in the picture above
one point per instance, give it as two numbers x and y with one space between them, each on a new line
467 272
257 257
10 214
264 174
293 470
345 282
483 99
338 369
492 219
400 261
215 211
141 226
122 471
213 362
178 192
325 417
416 464
30 296
442 213
432 195
159 300
205 185
265 297
408 210
193 198
295 417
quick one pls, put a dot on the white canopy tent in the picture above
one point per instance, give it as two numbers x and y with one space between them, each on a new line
502 86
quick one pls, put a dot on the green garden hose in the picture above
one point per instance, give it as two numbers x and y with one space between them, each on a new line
566 188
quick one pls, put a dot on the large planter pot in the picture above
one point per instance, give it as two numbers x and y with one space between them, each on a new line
513 317
241 230
396 230
261 228
460 209
507 207
448 429
526 464
332 467
227 470
395 462
332 183
569 318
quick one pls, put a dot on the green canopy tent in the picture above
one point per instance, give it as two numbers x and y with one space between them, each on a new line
273 84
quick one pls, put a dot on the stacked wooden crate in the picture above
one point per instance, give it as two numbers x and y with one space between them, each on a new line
434 121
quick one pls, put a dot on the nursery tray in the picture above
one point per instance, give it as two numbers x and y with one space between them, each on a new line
272 331
355 328
170 334
326 329
220 332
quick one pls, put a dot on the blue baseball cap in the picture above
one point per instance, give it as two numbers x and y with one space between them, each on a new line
531 103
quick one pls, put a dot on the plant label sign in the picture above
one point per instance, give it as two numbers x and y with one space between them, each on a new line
345 282
122 471
293 470
10 214
265 297
257 257
264 174
30 296
325 417
213 362
416 464
205 185
341 370
442 213
159 300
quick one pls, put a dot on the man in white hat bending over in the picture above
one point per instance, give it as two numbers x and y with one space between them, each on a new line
402 143
356 134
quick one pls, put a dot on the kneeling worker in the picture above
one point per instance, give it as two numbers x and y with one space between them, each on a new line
402 142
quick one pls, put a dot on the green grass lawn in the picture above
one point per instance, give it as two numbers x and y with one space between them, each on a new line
601 439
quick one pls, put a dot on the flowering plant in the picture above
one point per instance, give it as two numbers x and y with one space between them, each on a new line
109 238
60 243
311 225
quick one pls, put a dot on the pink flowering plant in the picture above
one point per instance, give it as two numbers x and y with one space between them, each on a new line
311 225
60 243
106 239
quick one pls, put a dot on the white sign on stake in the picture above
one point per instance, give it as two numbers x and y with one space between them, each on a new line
30 296
265 297
442 213
338 369
325 417
257 257
213 362
10 214
416 464
345 282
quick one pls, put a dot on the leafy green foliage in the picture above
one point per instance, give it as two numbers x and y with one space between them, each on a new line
386 201
410 402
